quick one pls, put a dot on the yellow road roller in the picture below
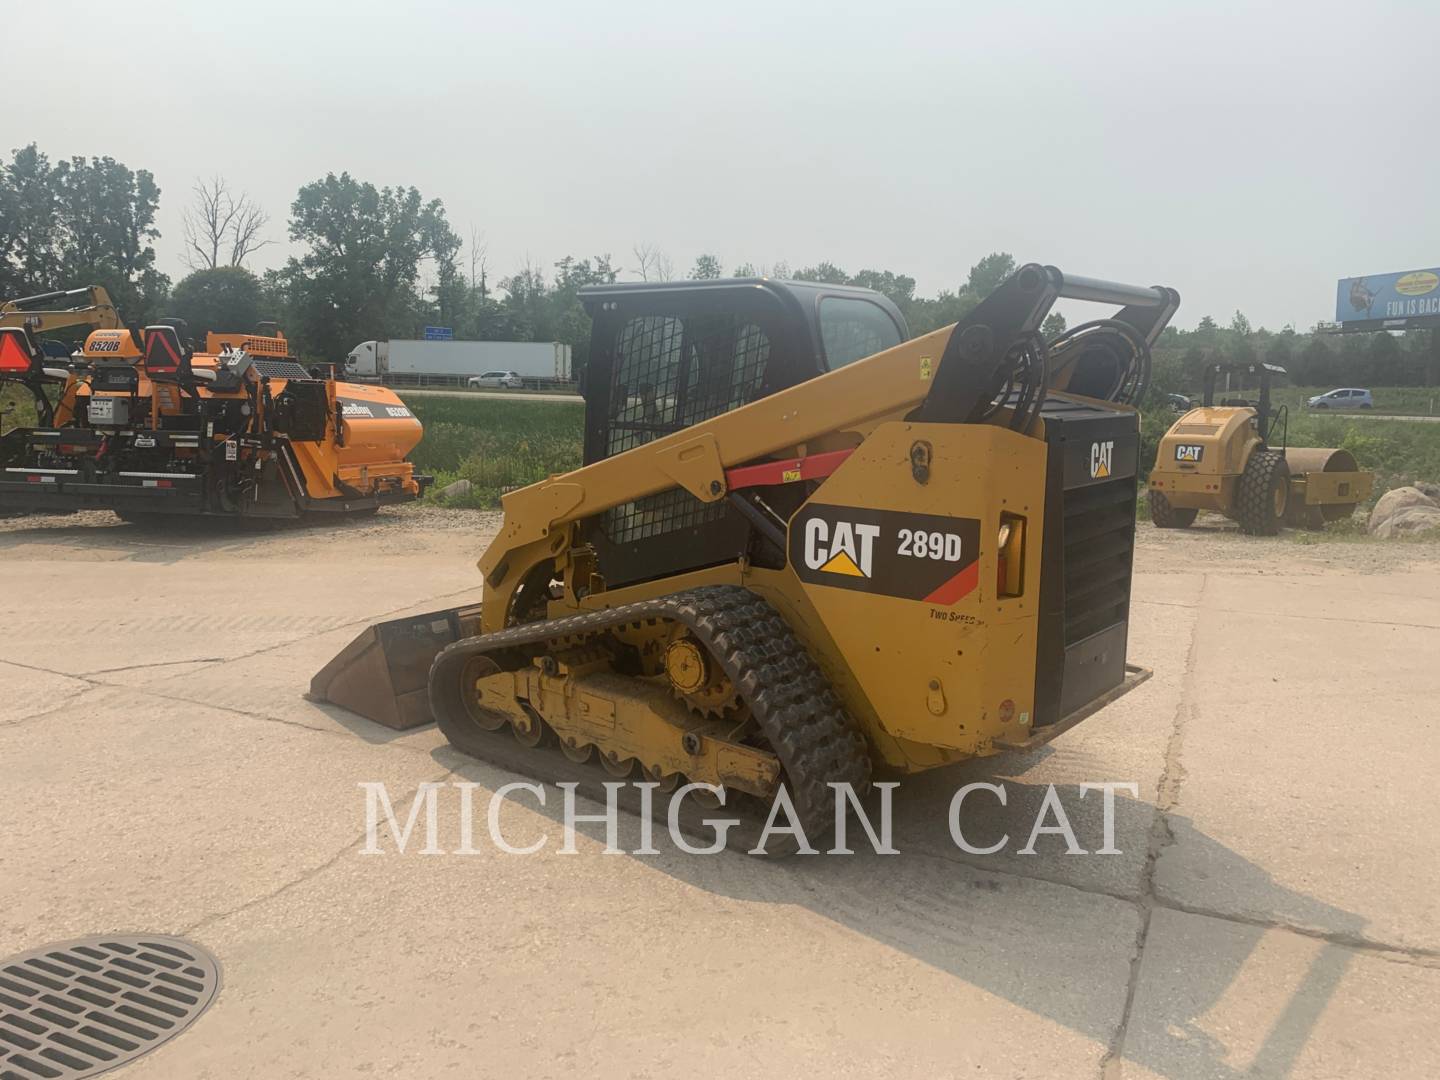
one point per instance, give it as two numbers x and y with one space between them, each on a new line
1231 457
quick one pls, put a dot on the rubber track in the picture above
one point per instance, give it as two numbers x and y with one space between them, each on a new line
796 708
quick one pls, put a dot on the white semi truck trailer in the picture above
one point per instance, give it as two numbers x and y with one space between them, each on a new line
420 363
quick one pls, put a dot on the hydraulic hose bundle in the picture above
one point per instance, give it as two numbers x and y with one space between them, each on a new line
1023 381
1107 359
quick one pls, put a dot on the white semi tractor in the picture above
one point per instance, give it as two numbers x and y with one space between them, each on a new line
421 363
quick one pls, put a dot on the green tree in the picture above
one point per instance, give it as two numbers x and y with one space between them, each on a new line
900 288
706 268
106 214
358 279
1318 364
228 298
1384 360
29 233
1054 325
987 274
825 272
80 222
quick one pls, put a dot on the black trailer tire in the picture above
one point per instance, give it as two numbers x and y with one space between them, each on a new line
1166 516
1264 493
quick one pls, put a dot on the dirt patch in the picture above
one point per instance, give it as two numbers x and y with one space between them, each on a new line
392 533
1215 543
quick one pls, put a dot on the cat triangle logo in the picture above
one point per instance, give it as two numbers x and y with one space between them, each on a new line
1101 456
843 564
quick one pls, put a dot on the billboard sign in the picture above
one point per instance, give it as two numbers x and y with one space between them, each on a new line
439 333
1389 301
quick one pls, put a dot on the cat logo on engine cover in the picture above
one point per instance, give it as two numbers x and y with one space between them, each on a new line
1102 455
911 556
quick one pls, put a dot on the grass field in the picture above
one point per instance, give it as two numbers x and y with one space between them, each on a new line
495 444
503 444
17 407
500 444
1396 400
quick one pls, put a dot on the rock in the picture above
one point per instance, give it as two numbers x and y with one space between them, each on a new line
1395 500
1412 519
1433 490
455 490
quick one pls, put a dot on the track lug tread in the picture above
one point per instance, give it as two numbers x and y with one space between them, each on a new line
794 704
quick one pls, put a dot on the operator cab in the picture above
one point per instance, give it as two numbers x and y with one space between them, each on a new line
666 356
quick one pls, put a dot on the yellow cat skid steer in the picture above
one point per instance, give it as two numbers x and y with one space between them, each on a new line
802 549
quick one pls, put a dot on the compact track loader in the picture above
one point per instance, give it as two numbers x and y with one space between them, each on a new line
1232 457
139 423
801 548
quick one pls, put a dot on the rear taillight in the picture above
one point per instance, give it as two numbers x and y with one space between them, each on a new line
1010 560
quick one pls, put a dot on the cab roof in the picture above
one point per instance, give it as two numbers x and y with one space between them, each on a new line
802 297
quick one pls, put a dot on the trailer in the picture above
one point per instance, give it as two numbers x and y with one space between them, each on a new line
396 362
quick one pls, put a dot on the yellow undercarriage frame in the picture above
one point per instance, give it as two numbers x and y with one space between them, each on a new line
894 585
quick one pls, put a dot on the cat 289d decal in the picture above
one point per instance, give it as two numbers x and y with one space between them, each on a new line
910 556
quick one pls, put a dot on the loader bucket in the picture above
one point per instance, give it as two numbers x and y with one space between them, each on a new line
382 675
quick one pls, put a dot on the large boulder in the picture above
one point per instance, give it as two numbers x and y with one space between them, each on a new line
1412 519
1396 500
456 490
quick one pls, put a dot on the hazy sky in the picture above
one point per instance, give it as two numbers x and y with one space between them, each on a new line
1248 154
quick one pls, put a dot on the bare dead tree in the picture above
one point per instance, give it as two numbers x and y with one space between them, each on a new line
644 256
479 264
217 221
245 230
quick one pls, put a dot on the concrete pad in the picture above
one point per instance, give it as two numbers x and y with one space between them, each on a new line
1124 742
204 797
624 966
1221 999
1310 758
28 692
195 610
132 812
272 683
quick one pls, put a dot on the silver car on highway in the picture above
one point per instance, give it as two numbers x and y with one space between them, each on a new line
1350 398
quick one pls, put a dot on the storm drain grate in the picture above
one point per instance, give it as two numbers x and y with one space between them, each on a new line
82 1007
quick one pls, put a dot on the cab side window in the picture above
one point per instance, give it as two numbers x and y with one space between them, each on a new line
672 372
853 329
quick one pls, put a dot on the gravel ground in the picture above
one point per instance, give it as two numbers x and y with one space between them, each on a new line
422 527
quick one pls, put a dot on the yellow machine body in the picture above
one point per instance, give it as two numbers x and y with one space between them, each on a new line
1201 463
937 565
1200 459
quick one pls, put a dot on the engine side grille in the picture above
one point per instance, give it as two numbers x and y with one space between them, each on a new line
1088 550
1099 548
